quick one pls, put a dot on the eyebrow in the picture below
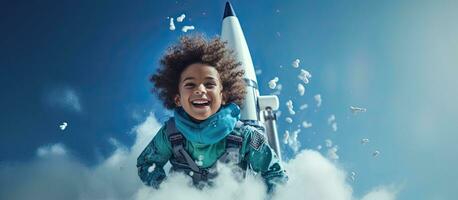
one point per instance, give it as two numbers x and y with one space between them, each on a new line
191 78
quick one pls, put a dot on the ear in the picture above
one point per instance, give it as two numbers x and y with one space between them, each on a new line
177 100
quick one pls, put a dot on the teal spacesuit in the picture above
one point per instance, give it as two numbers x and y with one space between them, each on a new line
194 148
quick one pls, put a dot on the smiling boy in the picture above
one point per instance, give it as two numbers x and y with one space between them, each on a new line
203 84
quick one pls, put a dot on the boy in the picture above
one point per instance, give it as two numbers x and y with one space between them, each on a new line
204 86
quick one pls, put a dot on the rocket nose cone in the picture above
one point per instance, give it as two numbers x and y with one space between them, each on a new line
228 11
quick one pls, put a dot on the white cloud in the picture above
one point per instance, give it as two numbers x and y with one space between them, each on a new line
314 177
226 188
64 177
381 193
65 97
55 174
51 150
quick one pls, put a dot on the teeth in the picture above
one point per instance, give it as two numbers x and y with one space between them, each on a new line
200 102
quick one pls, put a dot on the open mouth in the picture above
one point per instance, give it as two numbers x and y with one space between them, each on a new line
200 103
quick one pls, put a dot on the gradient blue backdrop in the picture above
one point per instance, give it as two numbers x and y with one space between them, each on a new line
398 59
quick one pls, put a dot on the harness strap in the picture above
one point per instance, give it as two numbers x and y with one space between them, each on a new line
232 152
184 161
178 150
177 140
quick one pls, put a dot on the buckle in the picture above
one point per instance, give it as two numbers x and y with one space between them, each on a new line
235 139
176 139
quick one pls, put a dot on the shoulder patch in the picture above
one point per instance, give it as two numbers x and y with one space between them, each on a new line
257 139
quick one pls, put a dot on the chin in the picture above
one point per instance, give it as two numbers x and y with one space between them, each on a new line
201 118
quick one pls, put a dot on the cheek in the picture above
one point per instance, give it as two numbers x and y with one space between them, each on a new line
220 97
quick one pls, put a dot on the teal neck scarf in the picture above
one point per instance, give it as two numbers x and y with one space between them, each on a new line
211 130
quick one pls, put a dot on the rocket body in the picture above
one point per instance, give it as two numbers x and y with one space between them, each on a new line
256 109
233 34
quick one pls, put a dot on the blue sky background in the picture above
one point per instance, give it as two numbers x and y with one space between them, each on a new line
88 63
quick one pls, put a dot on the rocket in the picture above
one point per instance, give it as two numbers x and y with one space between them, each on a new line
256 110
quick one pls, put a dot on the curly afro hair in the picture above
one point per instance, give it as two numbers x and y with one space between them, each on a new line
196 49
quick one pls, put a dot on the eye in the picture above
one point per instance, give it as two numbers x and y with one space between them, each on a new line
210 85
189 85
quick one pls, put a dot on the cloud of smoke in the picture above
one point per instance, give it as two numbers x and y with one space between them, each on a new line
56 174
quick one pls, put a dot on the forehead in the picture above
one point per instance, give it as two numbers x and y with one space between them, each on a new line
199 71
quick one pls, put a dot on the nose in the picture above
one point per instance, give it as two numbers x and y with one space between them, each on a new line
200 90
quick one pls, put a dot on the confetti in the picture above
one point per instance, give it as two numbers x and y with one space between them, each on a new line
318 100
273 83
304 76
355 110
289 120
181 18
290 106
171 25
303 106
286 137
352 177
151 168
295 63
331 119
328 143
301 89
63 126
305 124
332 153
187 28
375 153
291 140
334 126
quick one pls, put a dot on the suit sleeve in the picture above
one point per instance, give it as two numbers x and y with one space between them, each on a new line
264 160
150 163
